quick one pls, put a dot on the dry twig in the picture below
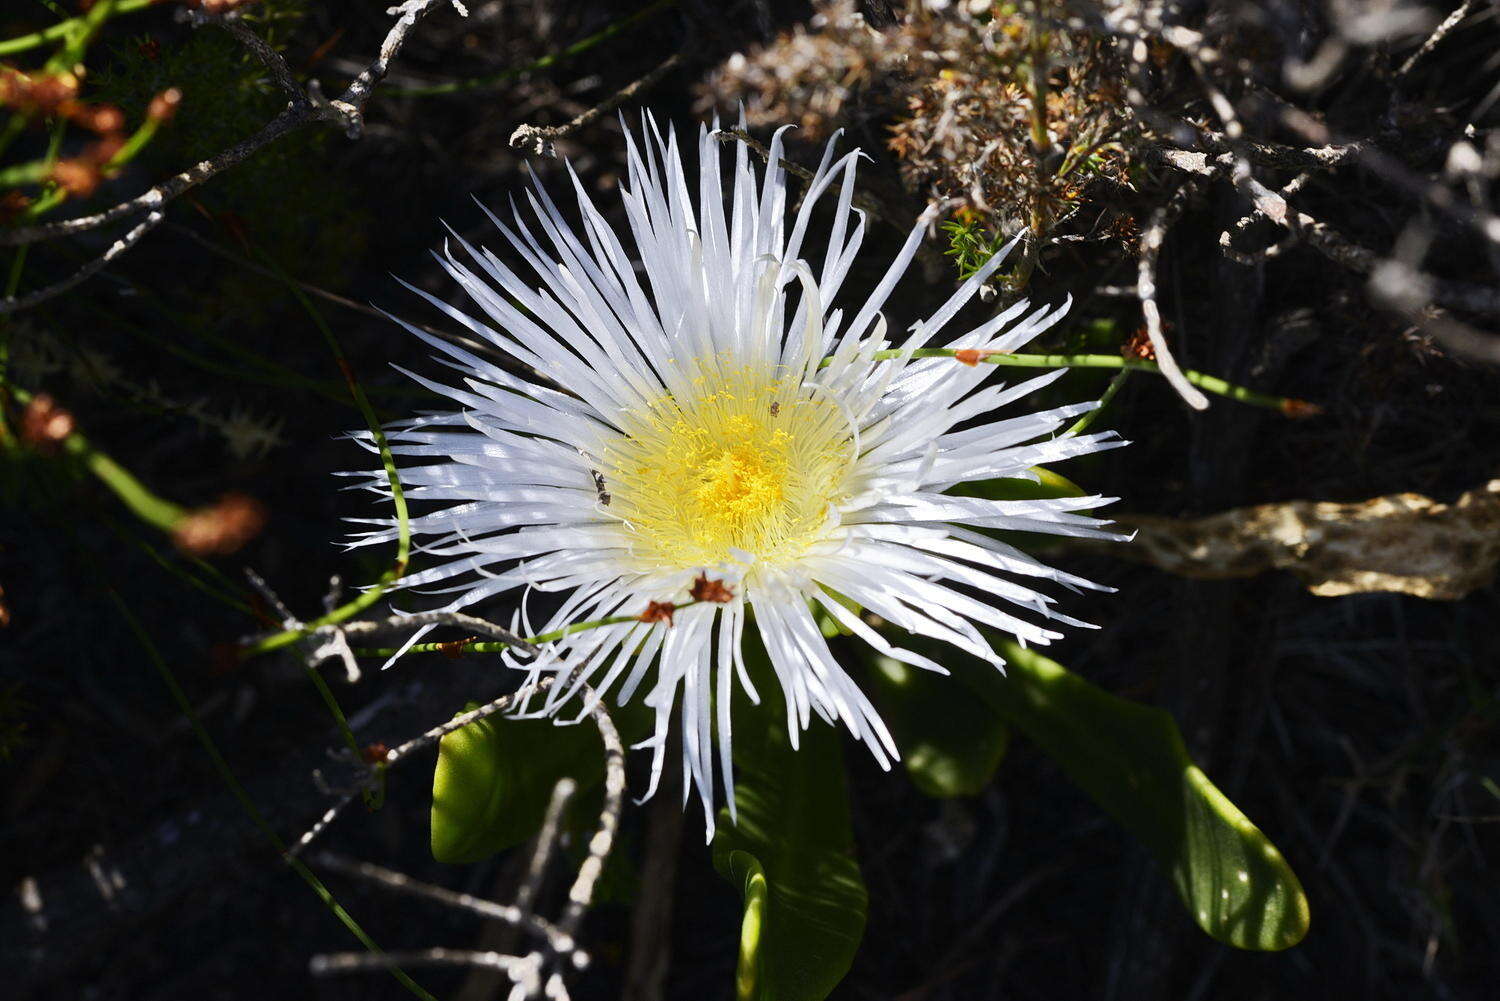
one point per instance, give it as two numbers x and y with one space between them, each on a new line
541 141
304 107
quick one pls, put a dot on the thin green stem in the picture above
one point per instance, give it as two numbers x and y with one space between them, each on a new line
1212 383
545 62
142 502
1082 424
372 798
495 646
256 817
61 30
24 173
82 32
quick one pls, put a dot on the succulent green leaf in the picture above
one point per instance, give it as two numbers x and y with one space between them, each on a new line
1131 760
495 777
791 857
951 743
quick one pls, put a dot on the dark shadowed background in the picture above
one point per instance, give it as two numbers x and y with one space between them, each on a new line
1358 732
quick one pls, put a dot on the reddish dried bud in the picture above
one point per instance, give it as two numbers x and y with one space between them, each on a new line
972 356
375 754
1138 346
716 591
98 117
32 94
4 610
164 105
454 649
659 611
221 528
78 177
150 48
1300 409
45 424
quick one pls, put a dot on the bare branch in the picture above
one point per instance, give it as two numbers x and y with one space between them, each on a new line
286 121
546 841
1145 288
304 109
280 72
1438 34
540 141
460 620
558 940
359 962
416 744
600 845
90 269
464 719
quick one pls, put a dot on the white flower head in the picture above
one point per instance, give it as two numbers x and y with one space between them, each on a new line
720 416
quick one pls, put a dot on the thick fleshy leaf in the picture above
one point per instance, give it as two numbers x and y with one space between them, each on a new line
495 777
791 857
951 743
1131 760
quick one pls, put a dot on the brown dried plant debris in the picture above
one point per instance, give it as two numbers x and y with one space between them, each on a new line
710 589
994 107
809 76
658 611
1404 543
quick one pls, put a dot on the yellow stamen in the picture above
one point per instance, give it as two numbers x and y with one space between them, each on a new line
751 462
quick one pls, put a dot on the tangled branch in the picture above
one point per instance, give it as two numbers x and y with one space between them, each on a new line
305 106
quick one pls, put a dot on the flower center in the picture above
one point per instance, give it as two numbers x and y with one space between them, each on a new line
748 465
739 485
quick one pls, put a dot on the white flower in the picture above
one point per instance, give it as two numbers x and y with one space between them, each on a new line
722 416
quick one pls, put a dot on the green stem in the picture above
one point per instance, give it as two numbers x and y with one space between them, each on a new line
372 798
495 646
61 30
256 817
81 32
142 502
1082 424
551 59
1212 383
24 173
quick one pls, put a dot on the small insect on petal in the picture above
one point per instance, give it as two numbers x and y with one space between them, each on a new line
704 589
658 611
